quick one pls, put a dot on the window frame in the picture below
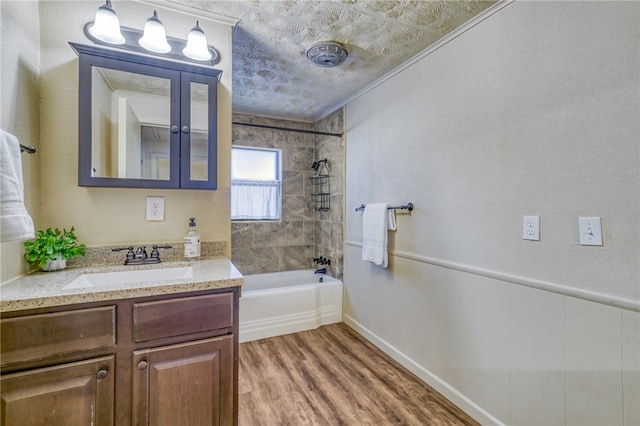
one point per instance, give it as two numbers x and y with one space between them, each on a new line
278 181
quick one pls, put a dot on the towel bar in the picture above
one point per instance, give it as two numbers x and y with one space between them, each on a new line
29 149
408 206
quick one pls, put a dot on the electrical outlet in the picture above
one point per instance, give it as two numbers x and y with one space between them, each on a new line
155 209
531 228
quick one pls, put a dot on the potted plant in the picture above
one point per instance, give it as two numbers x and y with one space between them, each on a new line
51 249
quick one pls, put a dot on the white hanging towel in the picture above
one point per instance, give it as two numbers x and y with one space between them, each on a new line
376 221
15 222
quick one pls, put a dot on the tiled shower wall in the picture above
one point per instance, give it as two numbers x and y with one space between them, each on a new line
329 225
262 246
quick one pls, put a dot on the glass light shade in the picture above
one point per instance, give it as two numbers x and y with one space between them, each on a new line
106 25
197 47
154 37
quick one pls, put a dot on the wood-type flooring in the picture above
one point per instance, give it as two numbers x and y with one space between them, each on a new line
333 376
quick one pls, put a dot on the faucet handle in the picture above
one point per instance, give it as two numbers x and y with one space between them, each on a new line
322 260
155 254
130 253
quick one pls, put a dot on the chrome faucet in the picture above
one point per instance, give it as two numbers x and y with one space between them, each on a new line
321 271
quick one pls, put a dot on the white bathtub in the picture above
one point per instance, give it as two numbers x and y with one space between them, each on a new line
287 302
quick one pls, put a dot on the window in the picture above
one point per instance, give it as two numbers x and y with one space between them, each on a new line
256 184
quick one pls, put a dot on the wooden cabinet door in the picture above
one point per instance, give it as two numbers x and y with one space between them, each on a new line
185 384
79 393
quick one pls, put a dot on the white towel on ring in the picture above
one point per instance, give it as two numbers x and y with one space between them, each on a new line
15 222
377 220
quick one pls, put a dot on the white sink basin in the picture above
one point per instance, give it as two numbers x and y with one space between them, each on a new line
103 279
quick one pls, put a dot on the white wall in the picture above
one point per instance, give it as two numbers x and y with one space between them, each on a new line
533 111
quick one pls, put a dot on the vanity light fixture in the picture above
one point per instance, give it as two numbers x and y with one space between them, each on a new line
197 45
154 38
106 30
106 25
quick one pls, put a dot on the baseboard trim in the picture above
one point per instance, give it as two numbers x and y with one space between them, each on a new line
591 296
453 395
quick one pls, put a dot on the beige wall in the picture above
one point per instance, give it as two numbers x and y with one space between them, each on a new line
19 91
533 111
107 215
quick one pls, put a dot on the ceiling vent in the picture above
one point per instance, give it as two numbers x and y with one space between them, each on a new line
327 54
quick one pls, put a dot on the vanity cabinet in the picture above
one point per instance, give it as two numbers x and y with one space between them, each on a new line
159 360
145 122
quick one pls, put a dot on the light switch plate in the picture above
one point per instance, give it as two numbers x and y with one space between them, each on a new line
590 231
155 209
531 228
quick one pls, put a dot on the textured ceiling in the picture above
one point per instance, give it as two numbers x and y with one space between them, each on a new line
271 75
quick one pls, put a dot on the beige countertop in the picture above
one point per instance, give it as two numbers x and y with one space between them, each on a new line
45 289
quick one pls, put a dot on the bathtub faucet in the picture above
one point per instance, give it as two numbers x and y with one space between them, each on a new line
321 271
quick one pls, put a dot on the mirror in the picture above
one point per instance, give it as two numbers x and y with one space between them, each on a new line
199 130
130 126
144 125
130 123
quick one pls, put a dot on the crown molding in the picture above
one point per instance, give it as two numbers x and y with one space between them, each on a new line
187 10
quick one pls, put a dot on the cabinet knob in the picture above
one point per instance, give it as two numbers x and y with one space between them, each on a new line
185 129
142 365
175 129
102 374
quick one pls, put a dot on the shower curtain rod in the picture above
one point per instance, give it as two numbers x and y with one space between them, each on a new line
286 129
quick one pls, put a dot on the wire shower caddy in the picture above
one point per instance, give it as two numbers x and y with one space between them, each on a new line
320 188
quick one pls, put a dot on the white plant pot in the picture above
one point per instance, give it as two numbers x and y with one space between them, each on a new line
55 265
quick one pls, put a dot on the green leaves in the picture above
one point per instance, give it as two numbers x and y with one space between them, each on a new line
49 243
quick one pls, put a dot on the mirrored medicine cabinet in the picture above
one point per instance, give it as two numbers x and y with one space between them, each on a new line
145 122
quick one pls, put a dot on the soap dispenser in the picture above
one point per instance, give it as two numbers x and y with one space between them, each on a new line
192 242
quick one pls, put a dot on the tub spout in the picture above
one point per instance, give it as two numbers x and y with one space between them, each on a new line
321 271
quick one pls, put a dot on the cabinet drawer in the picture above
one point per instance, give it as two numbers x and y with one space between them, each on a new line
49 336
177 317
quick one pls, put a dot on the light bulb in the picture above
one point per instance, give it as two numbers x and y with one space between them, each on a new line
106 26
154 37
197 47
